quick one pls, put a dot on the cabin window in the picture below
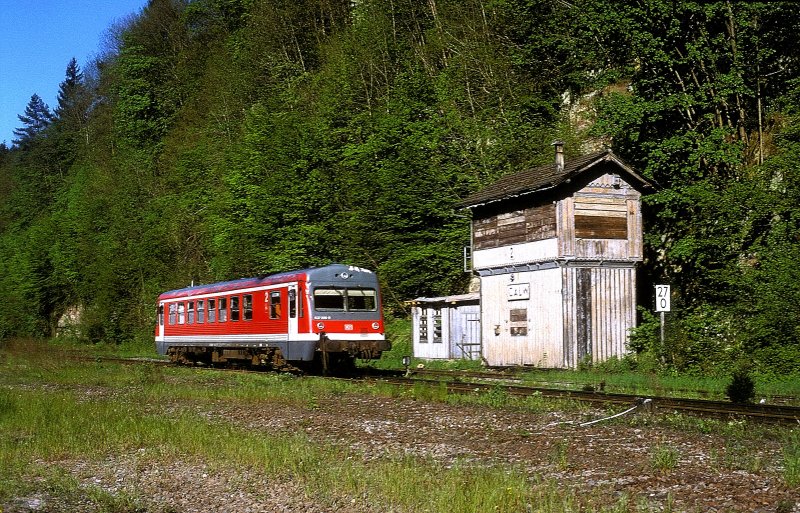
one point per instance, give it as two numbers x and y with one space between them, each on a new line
247 307
235 308
423 326
275 304
361 300
173 313
190 313
437 326
212 310
181 313
222 309
201 311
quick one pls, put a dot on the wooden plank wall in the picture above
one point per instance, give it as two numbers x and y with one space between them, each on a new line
515 227
601 217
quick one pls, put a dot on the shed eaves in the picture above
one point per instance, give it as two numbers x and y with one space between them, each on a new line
542 178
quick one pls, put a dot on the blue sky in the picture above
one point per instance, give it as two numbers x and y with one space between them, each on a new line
37 40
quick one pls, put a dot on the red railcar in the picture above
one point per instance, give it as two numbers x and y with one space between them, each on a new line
325 314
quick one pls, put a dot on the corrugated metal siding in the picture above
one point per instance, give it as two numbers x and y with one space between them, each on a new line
613 311
599 310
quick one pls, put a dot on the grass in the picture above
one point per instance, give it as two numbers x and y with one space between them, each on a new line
54 409
58 426
664 458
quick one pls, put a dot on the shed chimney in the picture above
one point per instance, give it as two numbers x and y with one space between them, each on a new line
559 145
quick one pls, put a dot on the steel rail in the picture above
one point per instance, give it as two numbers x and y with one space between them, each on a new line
786 415
769 413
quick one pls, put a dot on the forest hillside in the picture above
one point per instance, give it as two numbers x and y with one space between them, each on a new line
214 139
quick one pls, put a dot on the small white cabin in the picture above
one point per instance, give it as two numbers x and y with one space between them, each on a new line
447 327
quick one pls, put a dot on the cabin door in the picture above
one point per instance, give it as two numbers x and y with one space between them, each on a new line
293 311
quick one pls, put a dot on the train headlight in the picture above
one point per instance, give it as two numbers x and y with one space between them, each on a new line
376 325
320 325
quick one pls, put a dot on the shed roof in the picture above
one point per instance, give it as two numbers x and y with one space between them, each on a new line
455 299
546 177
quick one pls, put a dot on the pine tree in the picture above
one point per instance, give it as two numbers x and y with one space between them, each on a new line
71 93
37 118
72 113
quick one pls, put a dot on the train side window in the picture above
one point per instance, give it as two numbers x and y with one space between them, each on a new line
212 310
275 305
300 311
234 308
173 313
247 307
181 313
201 311
190 313
160 315
292 303
223 309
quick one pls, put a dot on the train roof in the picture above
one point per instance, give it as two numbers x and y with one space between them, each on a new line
328 272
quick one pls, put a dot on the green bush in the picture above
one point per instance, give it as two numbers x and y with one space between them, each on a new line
742 388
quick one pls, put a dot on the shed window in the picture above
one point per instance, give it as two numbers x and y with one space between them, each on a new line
201 311
275 304
235 308
222 309
212 310
247 307
437 326
423 326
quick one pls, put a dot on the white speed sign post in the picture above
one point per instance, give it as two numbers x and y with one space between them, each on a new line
662 305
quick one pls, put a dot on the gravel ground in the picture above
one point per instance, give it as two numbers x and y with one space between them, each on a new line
602 461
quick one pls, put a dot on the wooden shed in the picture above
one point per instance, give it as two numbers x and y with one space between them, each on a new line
446 327
556 249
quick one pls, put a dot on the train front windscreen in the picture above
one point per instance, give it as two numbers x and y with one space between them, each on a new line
333 299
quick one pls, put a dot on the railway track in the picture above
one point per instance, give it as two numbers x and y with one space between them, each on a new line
510 375
767 413
774 414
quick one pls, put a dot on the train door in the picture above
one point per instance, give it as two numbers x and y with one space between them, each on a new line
160 332
293 311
